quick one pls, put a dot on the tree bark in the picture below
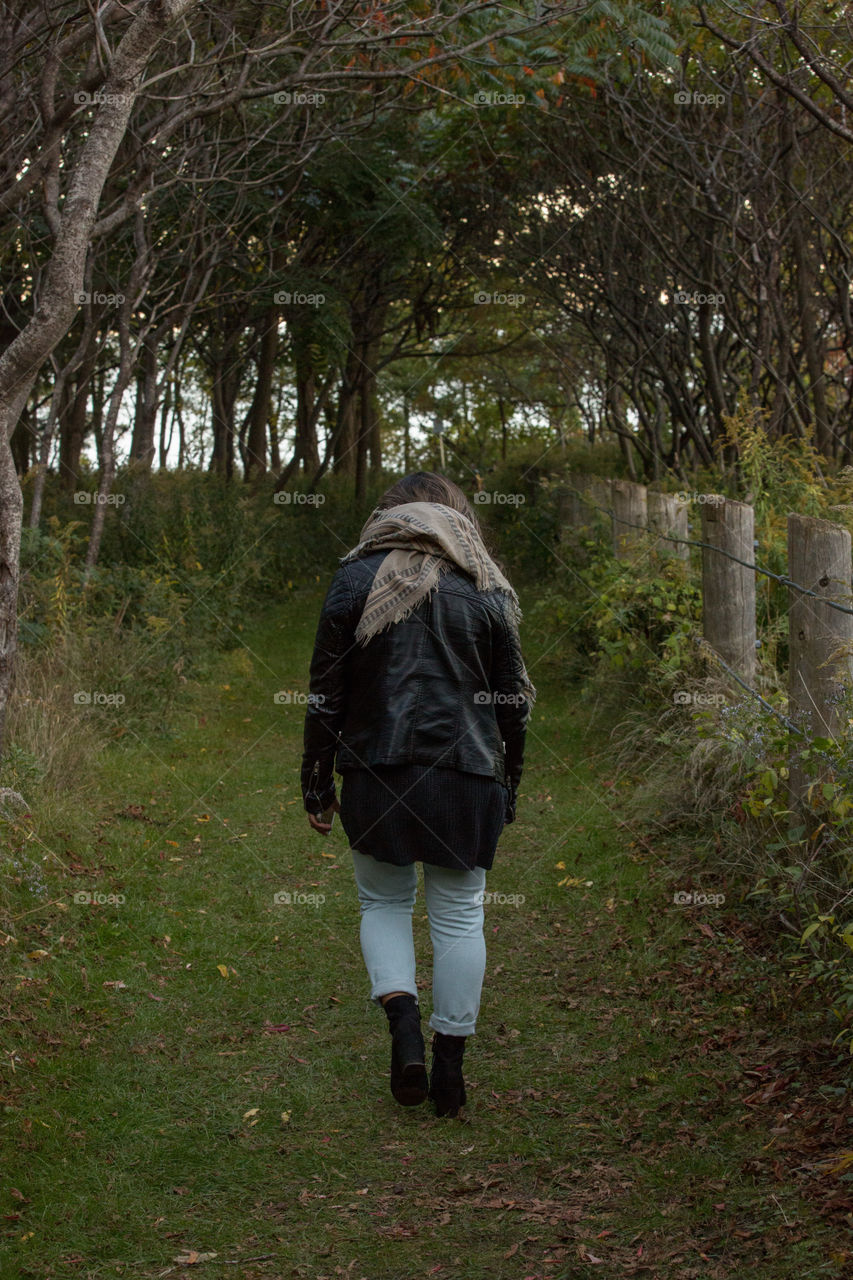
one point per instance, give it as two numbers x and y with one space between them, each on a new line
259 411
147 395
57 304
22 443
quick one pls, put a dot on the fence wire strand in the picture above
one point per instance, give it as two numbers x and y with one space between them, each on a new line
702 643
711 652
709 546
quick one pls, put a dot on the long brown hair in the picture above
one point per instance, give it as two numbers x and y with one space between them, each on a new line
428 486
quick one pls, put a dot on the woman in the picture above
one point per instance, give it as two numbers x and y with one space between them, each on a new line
420 698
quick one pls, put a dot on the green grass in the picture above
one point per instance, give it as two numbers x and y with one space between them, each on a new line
606 1133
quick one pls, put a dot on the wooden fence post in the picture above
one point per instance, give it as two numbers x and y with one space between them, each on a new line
820 638
728 588
572 511
629 511
598 499
668 516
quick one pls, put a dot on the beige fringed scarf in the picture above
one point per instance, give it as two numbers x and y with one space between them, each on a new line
422 541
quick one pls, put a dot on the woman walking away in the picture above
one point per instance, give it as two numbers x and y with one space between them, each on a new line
420 698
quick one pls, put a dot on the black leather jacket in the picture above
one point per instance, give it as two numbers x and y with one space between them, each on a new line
441 687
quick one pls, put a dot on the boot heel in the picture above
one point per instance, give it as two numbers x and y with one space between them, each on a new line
447 1085
409 1080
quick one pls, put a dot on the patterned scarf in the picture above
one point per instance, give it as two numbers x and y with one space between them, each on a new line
423 540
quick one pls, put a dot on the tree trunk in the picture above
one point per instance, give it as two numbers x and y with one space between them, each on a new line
165 415
259 411
145 418
226 386
63 278
275 447
810 329
370 409
45 441
107 450
11 512
345 426
306 421
23 442
72 428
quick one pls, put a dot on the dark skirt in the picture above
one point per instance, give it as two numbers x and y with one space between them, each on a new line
421 813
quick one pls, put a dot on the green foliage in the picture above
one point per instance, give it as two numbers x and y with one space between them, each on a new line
813 883
628 630
634 617
185 560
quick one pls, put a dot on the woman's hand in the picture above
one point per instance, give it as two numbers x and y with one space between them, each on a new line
323 822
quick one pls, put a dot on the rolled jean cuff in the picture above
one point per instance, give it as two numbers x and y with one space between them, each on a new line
445 1028
381 989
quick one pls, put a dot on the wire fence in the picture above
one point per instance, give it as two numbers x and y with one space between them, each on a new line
819 650
709 546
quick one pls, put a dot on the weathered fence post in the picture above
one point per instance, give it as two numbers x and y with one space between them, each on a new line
598 499
820 638
572 511
630 517
593 500
668 519
728 588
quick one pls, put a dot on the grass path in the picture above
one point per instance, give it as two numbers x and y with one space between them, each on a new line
195 1083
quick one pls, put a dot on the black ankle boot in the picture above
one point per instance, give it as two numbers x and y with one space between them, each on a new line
447 1087
409 1083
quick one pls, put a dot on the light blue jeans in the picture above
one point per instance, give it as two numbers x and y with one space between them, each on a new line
454 902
